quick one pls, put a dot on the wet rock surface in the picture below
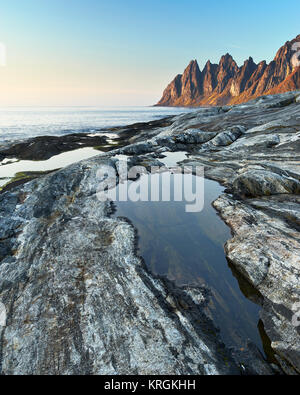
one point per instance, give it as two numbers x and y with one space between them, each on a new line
80 300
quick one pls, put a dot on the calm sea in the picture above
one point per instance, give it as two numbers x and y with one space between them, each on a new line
21 122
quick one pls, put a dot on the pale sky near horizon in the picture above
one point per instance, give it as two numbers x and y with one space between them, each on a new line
125 52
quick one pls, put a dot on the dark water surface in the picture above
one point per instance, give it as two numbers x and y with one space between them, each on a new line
189 249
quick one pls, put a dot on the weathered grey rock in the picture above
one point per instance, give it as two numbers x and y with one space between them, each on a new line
44 147
260 142
194 136
285 100
254 183
79 300
266 250
137 149
264 162
227 137
223 139
166 141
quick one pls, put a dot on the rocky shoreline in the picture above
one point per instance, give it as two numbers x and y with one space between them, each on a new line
44 147
80 300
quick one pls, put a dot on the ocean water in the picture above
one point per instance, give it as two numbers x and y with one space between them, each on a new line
22 122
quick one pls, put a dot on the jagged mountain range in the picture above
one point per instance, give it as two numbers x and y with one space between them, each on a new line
227 83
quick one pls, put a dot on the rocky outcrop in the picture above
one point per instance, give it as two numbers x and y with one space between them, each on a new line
259 165
255 183
262 207
79 299
266 249
44 147
226 83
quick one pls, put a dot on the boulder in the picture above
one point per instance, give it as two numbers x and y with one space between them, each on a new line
194 136
254 183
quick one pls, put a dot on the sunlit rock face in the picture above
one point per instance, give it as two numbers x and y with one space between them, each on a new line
226 83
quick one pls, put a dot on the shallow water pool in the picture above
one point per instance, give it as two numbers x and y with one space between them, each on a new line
188 248
10 167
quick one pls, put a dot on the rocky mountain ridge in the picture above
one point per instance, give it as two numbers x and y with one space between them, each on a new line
227 83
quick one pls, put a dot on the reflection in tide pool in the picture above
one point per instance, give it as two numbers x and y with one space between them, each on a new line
56 162
188 249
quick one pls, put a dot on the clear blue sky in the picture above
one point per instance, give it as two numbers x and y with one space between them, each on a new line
93 52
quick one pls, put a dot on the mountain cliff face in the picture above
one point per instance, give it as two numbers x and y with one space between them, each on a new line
226 83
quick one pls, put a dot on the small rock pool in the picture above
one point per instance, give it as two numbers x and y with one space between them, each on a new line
188 248
9 168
